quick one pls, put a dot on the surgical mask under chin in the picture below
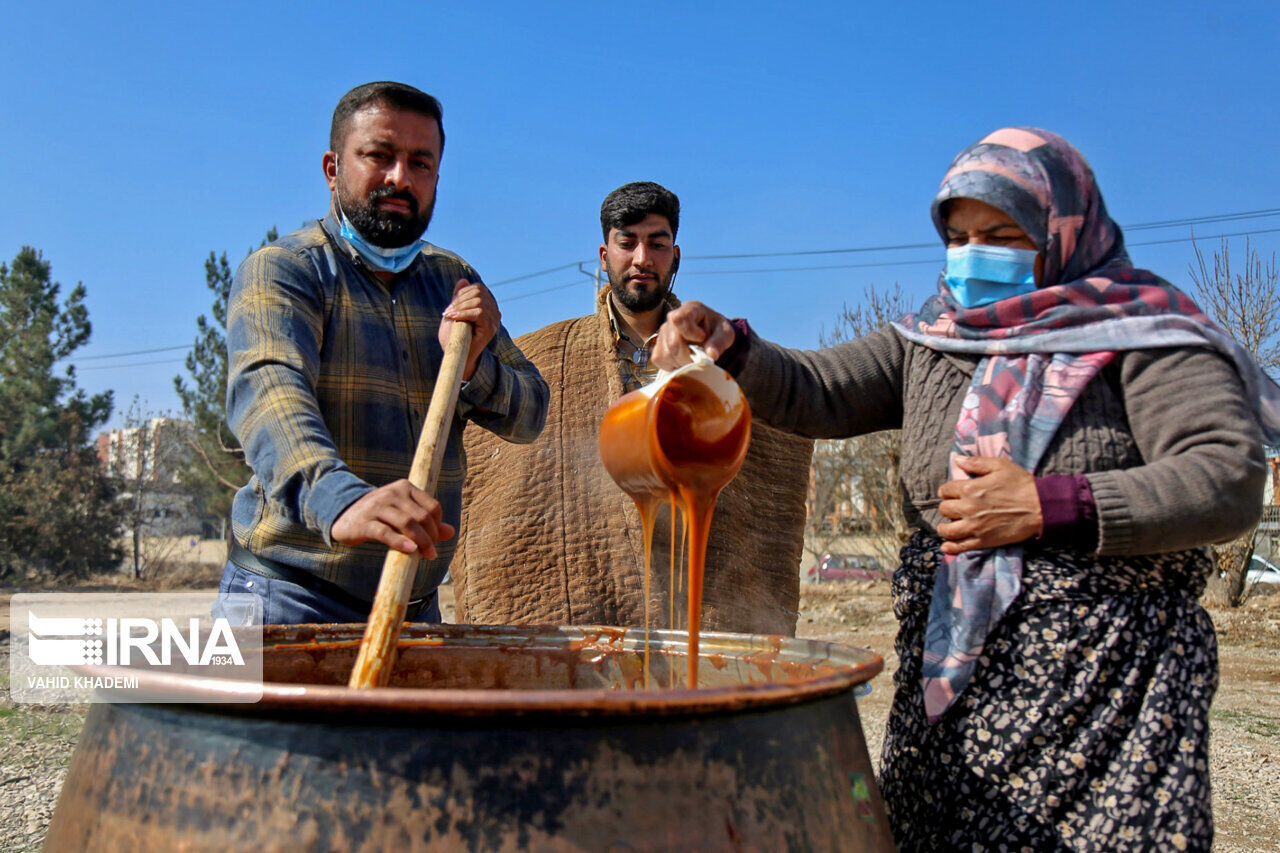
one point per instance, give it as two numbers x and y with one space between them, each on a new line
388 260
979 275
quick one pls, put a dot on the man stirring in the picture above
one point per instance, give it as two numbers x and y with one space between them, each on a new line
335 335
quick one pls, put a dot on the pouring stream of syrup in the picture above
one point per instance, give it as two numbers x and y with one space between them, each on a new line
678 441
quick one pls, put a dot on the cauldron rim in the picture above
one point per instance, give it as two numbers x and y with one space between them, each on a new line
845 667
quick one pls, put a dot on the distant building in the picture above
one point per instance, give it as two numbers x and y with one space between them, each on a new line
1269 529
146 462
148 451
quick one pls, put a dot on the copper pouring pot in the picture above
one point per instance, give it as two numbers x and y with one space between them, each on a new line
694 417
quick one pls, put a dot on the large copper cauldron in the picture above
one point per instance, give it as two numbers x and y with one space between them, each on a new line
491 738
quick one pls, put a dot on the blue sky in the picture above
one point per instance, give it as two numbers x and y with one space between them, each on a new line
141 136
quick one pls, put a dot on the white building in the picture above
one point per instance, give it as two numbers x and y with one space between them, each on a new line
146 461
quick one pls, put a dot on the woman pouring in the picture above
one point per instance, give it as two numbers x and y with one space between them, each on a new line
1074 430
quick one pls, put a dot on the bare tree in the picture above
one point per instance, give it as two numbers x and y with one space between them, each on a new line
145 458
1247 306
855 498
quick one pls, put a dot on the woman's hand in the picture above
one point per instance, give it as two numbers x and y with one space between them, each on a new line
691 323
997 506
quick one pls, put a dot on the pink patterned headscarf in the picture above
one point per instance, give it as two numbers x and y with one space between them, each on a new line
1041 349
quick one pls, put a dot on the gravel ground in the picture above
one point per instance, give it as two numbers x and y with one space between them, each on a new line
36 741
35 748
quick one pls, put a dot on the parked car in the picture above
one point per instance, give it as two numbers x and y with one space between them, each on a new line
843 567
1261 571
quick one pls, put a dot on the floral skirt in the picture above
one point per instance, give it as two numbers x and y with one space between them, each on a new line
1086 723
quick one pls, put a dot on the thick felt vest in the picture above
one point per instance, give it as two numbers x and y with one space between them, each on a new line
548 538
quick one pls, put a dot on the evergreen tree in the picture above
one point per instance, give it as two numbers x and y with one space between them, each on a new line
218 468
56 506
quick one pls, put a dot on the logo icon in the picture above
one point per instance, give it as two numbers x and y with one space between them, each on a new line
64 642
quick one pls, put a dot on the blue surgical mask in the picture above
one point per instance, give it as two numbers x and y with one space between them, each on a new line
979 275
388 260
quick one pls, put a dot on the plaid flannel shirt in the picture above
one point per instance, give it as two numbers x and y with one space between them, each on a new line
330 375
634 363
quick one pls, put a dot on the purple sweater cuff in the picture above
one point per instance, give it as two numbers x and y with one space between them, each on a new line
1069 512
735 357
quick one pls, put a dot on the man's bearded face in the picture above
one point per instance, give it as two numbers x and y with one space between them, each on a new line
386 172
384 225
640 261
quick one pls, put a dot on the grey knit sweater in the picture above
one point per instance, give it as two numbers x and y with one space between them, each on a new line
1171 449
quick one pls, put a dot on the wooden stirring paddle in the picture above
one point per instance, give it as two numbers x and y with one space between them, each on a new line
378 648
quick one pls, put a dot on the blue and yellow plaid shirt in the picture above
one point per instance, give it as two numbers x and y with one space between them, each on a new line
330 375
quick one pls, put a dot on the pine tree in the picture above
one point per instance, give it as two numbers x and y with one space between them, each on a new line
218 468
56 506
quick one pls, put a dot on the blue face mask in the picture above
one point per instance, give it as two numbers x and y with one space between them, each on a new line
979 275
388 260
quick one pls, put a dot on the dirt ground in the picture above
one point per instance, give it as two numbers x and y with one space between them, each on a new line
36 741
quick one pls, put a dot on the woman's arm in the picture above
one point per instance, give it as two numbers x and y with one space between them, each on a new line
849 389
846 390
1204 468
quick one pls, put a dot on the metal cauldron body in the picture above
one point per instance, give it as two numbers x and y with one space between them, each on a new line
769 756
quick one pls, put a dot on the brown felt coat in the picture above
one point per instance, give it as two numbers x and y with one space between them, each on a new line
547 537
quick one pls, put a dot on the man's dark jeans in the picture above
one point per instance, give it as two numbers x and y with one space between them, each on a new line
285 603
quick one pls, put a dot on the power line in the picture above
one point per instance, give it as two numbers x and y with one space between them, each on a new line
133 352
535 274
132 364
1140 226
544 290
1204 237
943 260
821 267
1168 223
1197 220
812 252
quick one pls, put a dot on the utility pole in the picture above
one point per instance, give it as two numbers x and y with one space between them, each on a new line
595 278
